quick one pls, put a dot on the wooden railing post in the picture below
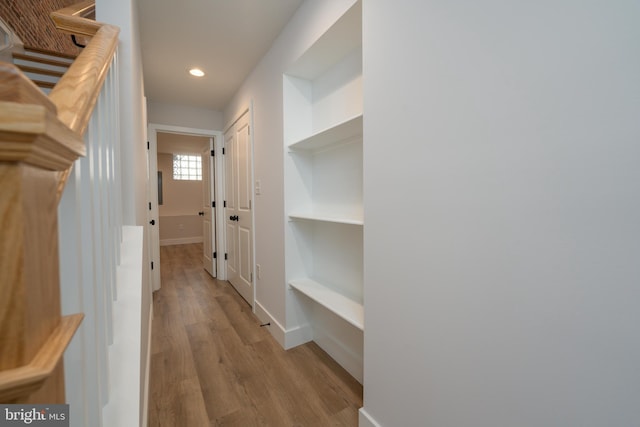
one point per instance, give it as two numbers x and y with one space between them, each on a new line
34 147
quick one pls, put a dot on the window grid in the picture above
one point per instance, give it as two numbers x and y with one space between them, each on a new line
187 167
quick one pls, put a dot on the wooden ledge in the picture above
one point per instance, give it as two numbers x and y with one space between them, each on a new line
18 382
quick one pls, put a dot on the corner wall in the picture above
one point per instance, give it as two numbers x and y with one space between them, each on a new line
502 206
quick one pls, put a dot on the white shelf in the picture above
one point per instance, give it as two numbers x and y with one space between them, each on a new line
323 177
345 308
325 218
340 133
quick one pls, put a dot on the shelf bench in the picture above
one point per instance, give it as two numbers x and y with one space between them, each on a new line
343 307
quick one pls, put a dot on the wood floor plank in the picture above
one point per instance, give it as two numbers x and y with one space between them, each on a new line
217 386
335 386
212 364
293 388
245 324
191 408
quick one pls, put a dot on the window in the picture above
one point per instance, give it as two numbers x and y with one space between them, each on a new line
187 167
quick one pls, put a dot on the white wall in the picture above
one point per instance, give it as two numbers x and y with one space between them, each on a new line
123 13
502 206
264 87
180 115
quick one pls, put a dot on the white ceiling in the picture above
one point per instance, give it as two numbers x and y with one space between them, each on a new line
225 38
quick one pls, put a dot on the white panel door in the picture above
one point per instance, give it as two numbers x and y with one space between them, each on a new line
238 213
207 212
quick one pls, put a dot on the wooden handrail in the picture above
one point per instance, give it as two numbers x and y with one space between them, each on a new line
77 92
73 19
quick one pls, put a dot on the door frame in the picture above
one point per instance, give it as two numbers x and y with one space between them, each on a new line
218 190
210 263
246 110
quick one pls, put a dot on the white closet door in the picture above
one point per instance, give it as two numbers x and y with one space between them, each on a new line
238 214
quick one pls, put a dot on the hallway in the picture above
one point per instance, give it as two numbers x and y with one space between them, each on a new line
212 365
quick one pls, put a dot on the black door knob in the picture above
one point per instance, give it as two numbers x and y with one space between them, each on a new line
152 222
201 213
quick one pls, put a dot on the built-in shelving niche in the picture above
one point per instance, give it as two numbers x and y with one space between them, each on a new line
322 94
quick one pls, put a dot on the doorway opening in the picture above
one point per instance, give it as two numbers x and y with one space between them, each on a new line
185 180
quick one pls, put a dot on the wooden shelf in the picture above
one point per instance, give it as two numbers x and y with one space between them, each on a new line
340 133
325 218
335 302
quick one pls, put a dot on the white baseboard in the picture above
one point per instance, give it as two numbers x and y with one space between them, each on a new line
145 401
350 358
287 338
297 336
366 420
181 241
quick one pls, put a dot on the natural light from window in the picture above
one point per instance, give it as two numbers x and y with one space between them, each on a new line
187 167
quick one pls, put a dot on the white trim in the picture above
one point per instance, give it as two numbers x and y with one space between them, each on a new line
157 127
253 208
298 335
287 338
275 328
145 401
219 197
340 352
181 241
239 115
218 143
366 420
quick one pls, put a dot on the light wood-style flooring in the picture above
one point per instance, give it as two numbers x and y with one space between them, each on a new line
212 364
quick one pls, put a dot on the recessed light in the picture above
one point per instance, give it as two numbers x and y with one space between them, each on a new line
196 72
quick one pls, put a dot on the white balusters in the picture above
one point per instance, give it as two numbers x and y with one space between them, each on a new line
90 234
